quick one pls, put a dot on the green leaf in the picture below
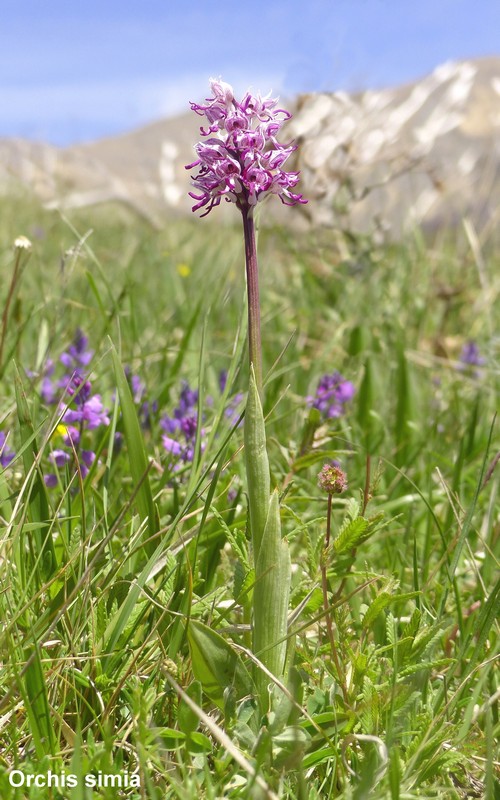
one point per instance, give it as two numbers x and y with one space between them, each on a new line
394 773
354 531
136 453
199 743
381 602
368 403
187 718
270 599
38 505
215 663
37 704
404 431
350 534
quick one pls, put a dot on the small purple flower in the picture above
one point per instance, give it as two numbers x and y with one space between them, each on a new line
138 388
171 446
187 402
50 480
240 158
7 454
48 391
92 412
88 457
180 430
77 354
72 436
59 458
146 408
168 424
471 356
222 380
233 410
79 389
332 394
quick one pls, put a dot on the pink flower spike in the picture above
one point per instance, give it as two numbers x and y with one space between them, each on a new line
239 158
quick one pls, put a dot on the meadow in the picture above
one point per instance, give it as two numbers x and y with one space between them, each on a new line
127 580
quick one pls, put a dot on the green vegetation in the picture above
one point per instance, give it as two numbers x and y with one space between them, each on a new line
126 588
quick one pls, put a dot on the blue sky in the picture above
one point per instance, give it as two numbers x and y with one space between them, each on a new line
73 71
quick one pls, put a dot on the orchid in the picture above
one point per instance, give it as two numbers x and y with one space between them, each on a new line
240 158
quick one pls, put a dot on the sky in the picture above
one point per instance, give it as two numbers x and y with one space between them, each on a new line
78 71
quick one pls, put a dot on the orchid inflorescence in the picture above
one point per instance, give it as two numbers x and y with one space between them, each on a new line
240 158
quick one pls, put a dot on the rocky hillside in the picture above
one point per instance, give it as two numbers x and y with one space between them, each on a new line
427 152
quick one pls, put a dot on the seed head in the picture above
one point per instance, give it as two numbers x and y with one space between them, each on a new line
332 479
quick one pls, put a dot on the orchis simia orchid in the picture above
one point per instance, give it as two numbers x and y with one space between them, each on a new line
241 160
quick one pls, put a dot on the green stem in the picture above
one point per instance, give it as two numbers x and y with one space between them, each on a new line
327 609
10 294
252 270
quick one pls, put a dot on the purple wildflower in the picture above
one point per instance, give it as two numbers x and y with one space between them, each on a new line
240 158
188 400
171 446
71 437
222 380
233 410
7 454
331 396
470 355
59 458
77 355
138 388
146 408
180 430
87 458
48 390
80 409
91 412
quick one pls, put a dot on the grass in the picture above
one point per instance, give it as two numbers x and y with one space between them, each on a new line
125 594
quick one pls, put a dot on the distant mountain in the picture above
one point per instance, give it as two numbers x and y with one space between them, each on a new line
427 152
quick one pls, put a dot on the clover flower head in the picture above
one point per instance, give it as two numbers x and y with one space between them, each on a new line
240 157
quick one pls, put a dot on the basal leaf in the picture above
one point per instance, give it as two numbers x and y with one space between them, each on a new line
216 664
